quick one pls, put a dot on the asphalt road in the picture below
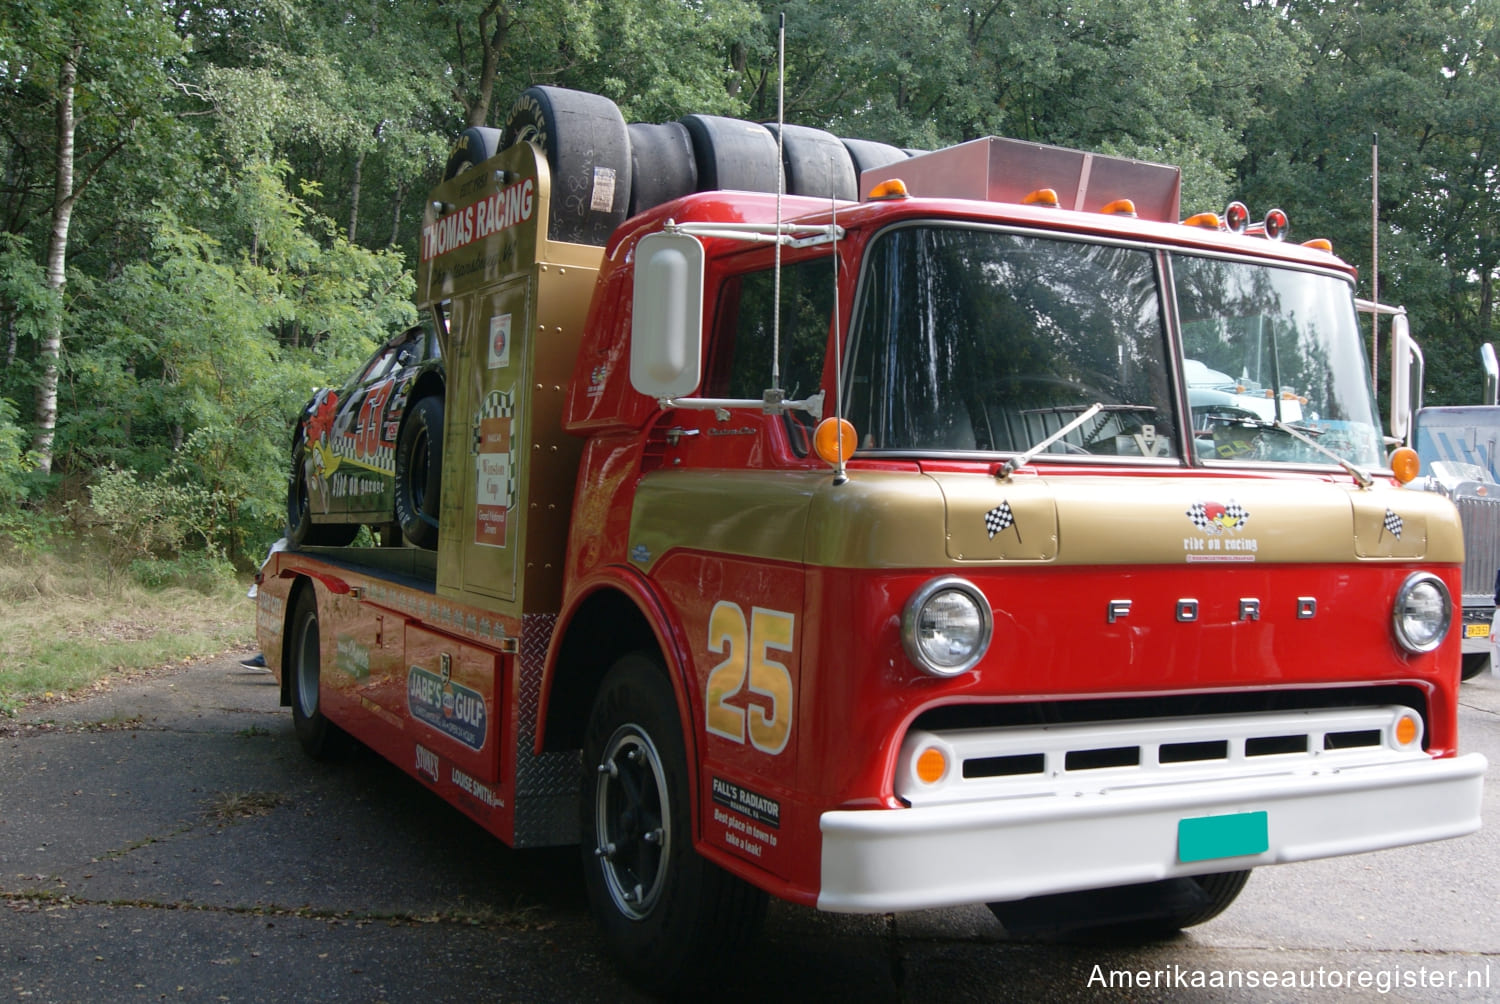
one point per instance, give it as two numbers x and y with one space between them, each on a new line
168 841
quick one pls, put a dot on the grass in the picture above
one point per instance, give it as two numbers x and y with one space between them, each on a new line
70 621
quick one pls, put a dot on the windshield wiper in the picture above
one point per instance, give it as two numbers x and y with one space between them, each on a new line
1363 479
1020 461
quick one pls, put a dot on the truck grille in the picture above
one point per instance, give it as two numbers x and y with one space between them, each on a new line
1098 757
1481 523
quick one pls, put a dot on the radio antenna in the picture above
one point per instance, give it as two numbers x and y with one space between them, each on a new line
780 187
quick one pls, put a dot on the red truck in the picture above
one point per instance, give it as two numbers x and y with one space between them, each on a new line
989 535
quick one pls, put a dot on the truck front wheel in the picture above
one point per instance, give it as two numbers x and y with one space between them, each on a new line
1127 913
667 914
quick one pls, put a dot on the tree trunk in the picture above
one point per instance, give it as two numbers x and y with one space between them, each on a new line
396 212
359 167
57 261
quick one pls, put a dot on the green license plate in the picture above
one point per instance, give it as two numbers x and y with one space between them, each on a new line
1206 837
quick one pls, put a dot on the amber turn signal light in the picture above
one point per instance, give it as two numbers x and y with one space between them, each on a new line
1405 463
835 440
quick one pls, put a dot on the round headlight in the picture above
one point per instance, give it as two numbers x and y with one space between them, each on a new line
946 627
1422 612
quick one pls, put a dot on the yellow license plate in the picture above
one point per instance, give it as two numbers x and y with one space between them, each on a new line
1476 630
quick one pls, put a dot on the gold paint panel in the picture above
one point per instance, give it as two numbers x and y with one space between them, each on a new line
992 520
757 514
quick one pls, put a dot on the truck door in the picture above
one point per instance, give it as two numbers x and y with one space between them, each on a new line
722 518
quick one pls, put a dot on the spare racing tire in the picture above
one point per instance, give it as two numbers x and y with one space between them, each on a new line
732 154
587 147
662 167
816 163
867 155
474 145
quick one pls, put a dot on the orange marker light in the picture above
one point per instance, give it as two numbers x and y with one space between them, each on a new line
893 188
1041 197
1119 207
835 440
1208 221
1406 731
931 765
1405 463
1319 244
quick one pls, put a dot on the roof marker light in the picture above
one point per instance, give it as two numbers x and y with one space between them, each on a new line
892 188
1276 225
1208 221
1236 217
1041 197
1319 244
1119 207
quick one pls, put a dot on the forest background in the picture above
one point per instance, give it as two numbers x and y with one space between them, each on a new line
206 210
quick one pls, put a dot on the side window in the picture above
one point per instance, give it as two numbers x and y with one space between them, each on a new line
740 364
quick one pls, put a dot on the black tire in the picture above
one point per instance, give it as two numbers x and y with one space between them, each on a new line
1474 663
419 472
668 916
662 167
732 154
300 528
1148 911
816 163
867 155
587 147
320 738
474 145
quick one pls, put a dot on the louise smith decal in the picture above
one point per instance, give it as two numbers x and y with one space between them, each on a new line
1219 537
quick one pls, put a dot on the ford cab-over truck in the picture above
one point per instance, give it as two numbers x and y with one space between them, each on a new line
898 552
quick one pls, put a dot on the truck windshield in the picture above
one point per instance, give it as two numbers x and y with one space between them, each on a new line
982 340
1266 345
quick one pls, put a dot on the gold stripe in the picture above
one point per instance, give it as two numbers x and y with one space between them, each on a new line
892 519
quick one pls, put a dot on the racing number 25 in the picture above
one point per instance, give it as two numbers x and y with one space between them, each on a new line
747 663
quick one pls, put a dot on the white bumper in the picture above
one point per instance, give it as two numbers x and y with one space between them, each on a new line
1009 838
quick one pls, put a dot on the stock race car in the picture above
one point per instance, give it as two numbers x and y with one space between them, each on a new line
370 452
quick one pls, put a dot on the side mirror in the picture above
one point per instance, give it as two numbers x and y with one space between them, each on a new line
1491 374
1407 373
666 326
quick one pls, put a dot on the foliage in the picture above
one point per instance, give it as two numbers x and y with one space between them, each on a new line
250 179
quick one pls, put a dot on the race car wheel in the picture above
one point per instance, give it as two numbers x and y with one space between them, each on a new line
662 167
732 154
474 145
320 738
300 528
667 915
587 148
1129 913
419 472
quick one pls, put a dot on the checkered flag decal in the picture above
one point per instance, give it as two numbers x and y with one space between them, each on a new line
1392 524
1232 517
499 404
1000 518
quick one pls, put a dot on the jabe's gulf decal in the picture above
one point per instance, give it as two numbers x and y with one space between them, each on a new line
450 708
1219 537
495 435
